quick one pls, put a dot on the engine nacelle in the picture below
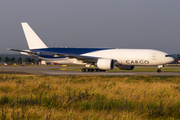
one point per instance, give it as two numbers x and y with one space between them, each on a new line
105 64
126 67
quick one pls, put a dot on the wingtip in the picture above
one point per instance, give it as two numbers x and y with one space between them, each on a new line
8 49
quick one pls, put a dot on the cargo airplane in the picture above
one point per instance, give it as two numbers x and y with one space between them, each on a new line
102 58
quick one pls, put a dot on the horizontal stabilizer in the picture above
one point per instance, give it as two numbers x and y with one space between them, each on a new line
25 51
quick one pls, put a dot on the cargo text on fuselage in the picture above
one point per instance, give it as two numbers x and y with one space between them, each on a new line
137 61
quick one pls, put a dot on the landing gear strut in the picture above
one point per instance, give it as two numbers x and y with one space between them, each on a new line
159 68
92 70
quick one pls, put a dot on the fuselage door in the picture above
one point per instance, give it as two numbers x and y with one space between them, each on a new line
154 57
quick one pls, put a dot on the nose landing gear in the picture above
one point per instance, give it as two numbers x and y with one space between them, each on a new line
159 68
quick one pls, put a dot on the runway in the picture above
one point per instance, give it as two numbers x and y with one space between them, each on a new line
46 70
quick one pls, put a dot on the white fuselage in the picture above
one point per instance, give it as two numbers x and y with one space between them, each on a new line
133 57
102 58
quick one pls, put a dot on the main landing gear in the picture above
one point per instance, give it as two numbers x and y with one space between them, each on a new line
92 70
159 68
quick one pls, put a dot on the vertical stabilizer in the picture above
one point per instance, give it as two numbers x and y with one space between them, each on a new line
34 42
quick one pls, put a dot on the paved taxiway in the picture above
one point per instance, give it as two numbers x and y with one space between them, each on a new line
46 70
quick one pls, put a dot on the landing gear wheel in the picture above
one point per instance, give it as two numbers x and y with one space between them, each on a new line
96 70
159 70
99 70
91 70
83 69
86 69
103 70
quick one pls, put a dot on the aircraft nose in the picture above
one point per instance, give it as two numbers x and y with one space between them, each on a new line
171 59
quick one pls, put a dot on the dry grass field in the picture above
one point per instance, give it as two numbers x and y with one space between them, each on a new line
89 97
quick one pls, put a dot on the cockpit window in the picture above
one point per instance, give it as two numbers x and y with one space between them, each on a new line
168 56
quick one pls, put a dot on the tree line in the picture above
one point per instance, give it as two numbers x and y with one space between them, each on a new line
19 60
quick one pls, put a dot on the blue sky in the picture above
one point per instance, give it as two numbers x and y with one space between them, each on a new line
152 24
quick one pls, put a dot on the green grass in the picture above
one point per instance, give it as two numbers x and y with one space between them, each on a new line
89 97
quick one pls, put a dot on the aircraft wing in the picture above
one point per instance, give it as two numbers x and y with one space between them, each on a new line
29 52
84 59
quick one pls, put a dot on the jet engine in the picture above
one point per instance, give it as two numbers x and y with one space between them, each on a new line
105 64
126 67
